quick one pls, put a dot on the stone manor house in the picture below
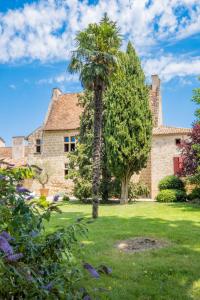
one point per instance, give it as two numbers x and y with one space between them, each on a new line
49 144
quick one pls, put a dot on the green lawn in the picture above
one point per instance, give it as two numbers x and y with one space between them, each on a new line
171 273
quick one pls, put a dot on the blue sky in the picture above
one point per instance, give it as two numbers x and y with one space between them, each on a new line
37 37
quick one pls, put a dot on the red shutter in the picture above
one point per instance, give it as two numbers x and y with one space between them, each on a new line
176 165
180 164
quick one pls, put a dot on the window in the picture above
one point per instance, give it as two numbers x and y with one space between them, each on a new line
177 142
69 143
178 165
66 169
38 146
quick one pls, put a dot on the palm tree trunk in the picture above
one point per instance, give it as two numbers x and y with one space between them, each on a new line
106 180
97 145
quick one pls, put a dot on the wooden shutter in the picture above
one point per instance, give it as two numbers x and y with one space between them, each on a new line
176 165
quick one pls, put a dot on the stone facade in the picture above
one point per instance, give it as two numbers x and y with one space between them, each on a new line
45 147
52 157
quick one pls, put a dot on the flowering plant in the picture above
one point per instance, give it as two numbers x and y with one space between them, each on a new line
34 264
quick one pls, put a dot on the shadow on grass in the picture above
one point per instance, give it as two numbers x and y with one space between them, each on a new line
186 206
167 273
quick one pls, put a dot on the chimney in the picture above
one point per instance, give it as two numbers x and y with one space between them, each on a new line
18 147
56 93
156 101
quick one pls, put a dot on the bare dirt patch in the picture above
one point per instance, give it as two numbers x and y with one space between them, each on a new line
141 244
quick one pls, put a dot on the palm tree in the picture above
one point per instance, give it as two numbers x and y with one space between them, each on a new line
95 60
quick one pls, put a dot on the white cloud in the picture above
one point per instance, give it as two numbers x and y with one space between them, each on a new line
168 67
45 30
12 86
61 78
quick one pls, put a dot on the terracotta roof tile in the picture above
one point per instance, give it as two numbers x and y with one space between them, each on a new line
64 113
5 152
165 130
6 155
18 163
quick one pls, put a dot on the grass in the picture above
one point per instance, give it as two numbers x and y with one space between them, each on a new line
170 273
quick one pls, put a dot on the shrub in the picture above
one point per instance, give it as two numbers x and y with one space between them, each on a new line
137 190
181 195
82 189
171 182
34 264
195 194
171 195
65 198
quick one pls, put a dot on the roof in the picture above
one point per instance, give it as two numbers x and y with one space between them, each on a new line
2 140
34 131
17 163
6 155
167 130
64 113
5 152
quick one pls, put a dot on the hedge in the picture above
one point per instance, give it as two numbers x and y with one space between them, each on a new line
171 182
171 195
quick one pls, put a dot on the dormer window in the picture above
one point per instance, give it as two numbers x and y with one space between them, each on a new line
69 143
38 146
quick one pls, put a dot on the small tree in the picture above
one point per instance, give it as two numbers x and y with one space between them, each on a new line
43 173
190 148
128 125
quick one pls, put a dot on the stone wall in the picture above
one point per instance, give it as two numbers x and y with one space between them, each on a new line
164 148
18 147
53 159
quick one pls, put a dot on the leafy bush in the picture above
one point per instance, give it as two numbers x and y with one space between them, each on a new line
137 190
34 264
195 194
171 195
65 198
82 189
181 196
171 182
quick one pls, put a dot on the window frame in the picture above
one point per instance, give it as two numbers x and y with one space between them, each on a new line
38 145
70 143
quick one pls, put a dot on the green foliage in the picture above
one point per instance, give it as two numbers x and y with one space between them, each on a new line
137 190
80 161
95 54
181 195
34 264
196 99
171 182
166 196
128 126
65 198
171 195
195 194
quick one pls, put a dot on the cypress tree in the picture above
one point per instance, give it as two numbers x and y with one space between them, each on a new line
128 126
